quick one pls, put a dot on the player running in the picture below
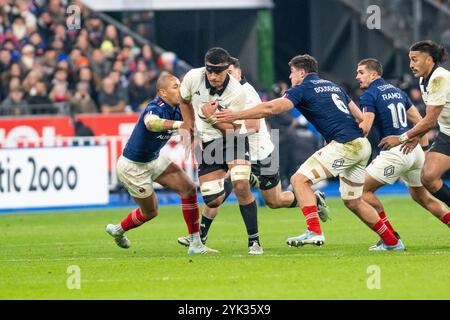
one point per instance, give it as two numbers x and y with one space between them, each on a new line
425 57
389 109
140 165
333 113
265 172
223 148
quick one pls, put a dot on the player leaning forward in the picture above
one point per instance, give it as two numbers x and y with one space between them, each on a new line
333 113
140 165
425 57
223 148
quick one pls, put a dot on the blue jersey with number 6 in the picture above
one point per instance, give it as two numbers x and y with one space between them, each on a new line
325 105
390 106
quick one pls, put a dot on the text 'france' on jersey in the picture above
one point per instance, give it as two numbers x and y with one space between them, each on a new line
325 105
144 145
390 106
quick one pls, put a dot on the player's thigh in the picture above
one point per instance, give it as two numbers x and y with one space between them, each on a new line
135 177
436 164
176 179
371 184
314 168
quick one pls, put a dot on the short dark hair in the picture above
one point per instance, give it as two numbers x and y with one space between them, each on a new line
436 51
372 64
235 62
217 55
305 62
161 83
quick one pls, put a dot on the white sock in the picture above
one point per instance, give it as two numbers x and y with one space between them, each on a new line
194 238
118 229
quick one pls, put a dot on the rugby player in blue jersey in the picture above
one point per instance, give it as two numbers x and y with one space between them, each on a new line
141 164
337 118
389 109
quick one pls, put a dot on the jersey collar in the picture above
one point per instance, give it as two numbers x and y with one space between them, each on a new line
424 81
212 90
377 82
311 76
160 102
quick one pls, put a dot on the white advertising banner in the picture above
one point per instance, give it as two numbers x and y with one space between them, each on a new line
53 177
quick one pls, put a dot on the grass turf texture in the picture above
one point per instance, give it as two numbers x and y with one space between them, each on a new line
37 249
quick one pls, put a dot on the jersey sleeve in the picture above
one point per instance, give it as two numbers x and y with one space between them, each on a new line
252 98
438 91
367 102
408 103
155 110
186 87
295 95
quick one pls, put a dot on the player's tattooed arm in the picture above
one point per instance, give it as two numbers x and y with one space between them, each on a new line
262 110
156 124
414 117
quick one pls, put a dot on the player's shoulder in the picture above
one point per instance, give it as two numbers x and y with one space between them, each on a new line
440 74
196 74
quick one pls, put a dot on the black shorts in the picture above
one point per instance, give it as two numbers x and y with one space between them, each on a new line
441 144
216 154
267 173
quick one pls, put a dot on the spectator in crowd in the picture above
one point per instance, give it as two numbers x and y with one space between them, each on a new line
93 81
27 59
60 93
38 100
99 64
110 100
139 92
82 101
14 104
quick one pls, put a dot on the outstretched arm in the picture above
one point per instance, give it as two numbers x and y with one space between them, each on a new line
262 110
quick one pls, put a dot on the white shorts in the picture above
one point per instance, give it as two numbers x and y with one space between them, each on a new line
392 164
346 160
138 177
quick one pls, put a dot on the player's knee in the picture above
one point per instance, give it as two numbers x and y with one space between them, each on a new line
241 187
299 179
428 179
272 204
212 192
353 204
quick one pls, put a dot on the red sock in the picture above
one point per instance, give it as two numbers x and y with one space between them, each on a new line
191 213
133 219
383 217
312 219
385 234
446 219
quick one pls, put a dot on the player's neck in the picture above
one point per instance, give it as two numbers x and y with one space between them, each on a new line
430 71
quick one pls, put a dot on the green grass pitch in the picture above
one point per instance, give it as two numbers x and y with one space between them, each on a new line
37 249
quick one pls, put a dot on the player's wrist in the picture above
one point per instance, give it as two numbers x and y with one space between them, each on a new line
403 137
426 147
177 124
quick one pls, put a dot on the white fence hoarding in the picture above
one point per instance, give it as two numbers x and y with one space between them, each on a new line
53 177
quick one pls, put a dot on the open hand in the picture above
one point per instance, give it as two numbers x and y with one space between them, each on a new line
389 142
409 145
225 115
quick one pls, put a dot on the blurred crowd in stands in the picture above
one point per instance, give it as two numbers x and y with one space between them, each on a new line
45 66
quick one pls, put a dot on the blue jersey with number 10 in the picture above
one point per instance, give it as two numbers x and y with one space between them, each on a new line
325 105
390 106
